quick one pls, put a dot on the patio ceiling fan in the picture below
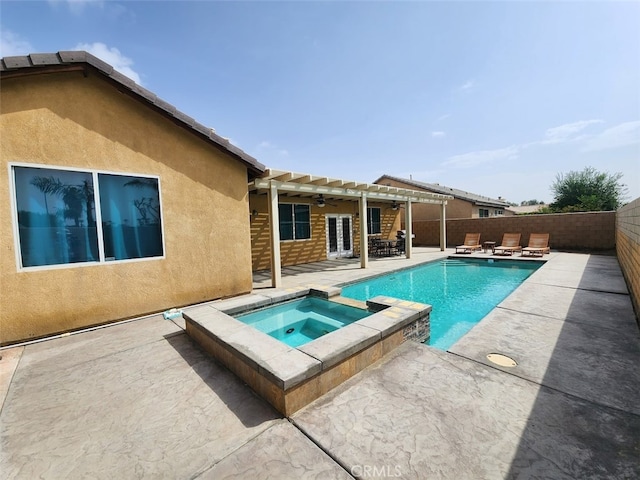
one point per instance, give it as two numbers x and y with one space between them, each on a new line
321 202
395 206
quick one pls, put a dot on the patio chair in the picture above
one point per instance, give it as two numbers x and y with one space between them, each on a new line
510 243
538 245
376 247
471 243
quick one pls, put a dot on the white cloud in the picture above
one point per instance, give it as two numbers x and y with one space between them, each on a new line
565 142
473 159
113 57
468 85
438 134
621 135
443 117
11 44
266 147
77 6
567 131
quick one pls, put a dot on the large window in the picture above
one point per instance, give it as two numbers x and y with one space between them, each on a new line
373 221
295 221
67 216
484 212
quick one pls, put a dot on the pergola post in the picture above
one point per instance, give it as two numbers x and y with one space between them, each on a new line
408 242
274 236
443 226
364 238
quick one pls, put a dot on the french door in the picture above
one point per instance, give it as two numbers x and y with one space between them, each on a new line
339 236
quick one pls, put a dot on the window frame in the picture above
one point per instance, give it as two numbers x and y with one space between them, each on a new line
293 221
370 222
98 214
480 215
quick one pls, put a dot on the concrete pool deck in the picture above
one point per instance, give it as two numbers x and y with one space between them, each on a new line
140 400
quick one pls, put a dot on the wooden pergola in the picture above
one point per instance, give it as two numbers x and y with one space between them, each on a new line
278 182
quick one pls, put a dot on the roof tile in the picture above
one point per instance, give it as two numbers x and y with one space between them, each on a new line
99 64
73 56
16 62
122 79
166 106
184 118
38 59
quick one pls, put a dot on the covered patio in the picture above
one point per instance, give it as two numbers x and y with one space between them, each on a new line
320 191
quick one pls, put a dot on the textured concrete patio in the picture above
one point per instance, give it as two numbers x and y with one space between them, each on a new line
140 400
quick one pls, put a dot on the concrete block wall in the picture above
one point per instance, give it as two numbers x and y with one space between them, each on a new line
628 249
593 231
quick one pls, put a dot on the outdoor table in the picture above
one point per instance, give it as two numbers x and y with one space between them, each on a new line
489 245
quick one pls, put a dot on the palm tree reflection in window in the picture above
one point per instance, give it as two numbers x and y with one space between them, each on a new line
148 207
76 198
130 210
63 229
66 231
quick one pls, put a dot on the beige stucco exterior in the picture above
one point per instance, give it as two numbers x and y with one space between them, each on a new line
295 252
77 121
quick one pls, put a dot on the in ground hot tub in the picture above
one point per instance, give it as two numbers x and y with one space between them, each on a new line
301 321
339 340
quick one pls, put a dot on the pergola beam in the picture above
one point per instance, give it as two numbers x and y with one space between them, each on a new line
354 193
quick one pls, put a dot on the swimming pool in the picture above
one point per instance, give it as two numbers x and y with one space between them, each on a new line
300 321
461 292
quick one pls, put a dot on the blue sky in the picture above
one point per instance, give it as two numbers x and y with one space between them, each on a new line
494 98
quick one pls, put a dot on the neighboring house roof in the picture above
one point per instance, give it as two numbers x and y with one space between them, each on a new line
526 209
42 63
459 194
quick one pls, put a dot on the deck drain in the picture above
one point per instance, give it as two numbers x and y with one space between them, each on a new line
502 360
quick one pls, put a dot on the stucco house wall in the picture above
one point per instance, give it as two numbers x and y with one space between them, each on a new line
79 120
296 252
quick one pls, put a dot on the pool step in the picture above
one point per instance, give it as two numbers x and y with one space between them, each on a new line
455 263
351 302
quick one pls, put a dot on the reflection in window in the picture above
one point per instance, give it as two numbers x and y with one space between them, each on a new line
295 221
373 221
302 216
130 208
57 216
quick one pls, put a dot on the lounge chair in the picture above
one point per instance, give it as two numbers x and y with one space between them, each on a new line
471 243
538 244
510 243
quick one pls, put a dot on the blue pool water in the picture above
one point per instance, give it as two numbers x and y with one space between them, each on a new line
300 321
461 292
